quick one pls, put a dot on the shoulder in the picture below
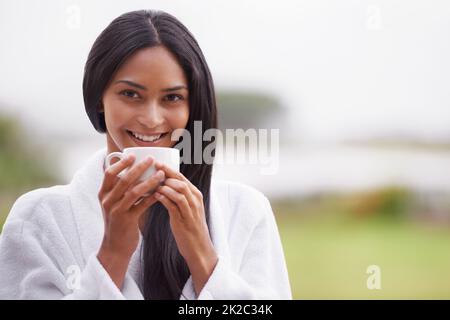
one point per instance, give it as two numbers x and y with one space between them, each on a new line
243 200
40 233
40 205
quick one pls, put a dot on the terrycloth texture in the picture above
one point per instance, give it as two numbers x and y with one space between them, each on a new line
51 237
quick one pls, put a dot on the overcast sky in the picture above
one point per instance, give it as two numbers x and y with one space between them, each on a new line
345 69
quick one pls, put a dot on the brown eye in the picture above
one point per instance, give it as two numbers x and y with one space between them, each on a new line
129 94
174 97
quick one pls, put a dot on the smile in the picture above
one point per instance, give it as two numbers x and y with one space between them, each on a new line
145 140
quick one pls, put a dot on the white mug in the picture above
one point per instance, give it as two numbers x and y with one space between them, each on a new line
167 156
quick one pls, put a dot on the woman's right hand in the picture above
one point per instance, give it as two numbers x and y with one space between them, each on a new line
121 213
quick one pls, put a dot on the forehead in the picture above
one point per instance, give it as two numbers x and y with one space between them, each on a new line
155 66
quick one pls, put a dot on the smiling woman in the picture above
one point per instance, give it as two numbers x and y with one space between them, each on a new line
176 235
139 92
146 100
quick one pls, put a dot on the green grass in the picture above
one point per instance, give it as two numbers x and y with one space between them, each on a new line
328 255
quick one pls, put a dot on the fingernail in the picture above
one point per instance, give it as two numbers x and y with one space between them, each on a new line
149 159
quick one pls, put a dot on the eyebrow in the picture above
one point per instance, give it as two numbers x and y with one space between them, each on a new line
139 86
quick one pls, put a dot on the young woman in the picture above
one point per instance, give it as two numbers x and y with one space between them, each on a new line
177 235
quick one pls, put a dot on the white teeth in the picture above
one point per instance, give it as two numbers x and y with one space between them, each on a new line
146 138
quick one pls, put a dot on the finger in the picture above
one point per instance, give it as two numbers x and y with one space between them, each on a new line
129 179
143 205
182 188
112 172
132 195
178 198
170 173
170 206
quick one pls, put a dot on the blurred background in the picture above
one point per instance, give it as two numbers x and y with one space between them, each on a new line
358 90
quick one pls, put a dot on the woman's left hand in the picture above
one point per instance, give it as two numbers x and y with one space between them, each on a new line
184 202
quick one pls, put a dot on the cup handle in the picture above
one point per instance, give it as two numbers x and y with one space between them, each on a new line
112 155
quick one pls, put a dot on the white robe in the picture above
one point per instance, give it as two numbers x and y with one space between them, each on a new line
50 240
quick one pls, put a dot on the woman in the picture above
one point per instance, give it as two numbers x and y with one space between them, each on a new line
174 236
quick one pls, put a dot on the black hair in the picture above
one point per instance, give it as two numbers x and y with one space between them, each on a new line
164 269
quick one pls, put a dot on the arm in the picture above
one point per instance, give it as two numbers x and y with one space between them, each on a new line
34 268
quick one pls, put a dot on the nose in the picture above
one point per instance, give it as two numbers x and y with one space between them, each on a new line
152 115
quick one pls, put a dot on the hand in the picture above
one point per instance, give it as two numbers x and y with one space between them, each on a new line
184 203
119 197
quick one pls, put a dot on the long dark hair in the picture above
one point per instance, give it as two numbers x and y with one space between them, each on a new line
164 270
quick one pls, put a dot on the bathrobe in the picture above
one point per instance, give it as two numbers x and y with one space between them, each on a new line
51 237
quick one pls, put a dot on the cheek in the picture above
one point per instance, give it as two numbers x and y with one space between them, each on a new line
116 114
178 120
179 117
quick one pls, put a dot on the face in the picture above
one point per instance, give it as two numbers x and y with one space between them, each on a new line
147 97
